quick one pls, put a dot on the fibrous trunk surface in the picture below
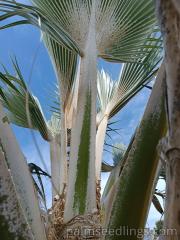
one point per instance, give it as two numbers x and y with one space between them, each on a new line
169 18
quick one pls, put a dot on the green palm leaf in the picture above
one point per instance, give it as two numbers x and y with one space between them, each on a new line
54 124
65 63
114 95
129 24
14 95
36 17
68 21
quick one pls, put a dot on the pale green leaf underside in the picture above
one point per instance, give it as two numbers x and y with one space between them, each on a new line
14 96
34 16
113 95
65 63
121 25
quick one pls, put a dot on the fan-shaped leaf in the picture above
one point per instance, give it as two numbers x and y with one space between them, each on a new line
14 95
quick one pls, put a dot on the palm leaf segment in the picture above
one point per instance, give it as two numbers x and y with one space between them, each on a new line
119 40
13 96
113 95
65 63
54 125
34 16
121 25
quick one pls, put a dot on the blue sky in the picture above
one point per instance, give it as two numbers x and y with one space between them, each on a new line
23 42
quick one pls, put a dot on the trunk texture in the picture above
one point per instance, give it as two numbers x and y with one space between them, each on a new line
55 150
21 177
63 158
100 138
134 188
81 192
109 194
169 18
13 223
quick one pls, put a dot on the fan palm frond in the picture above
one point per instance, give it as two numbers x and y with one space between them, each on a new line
14 100
35 16
65 64
54 124
69 22
129 23
106 89
113 95
118 153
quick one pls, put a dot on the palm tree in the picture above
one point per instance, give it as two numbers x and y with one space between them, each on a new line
76 35
83 24
15 95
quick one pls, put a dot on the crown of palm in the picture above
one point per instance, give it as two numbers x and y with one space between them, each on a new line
121 26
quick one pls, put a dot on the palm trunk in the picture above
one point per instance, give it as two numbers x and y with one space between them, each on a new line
63 158
134 189
55 150
169 17
13 223
108 195
111 186
100 138
81 193
21 177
